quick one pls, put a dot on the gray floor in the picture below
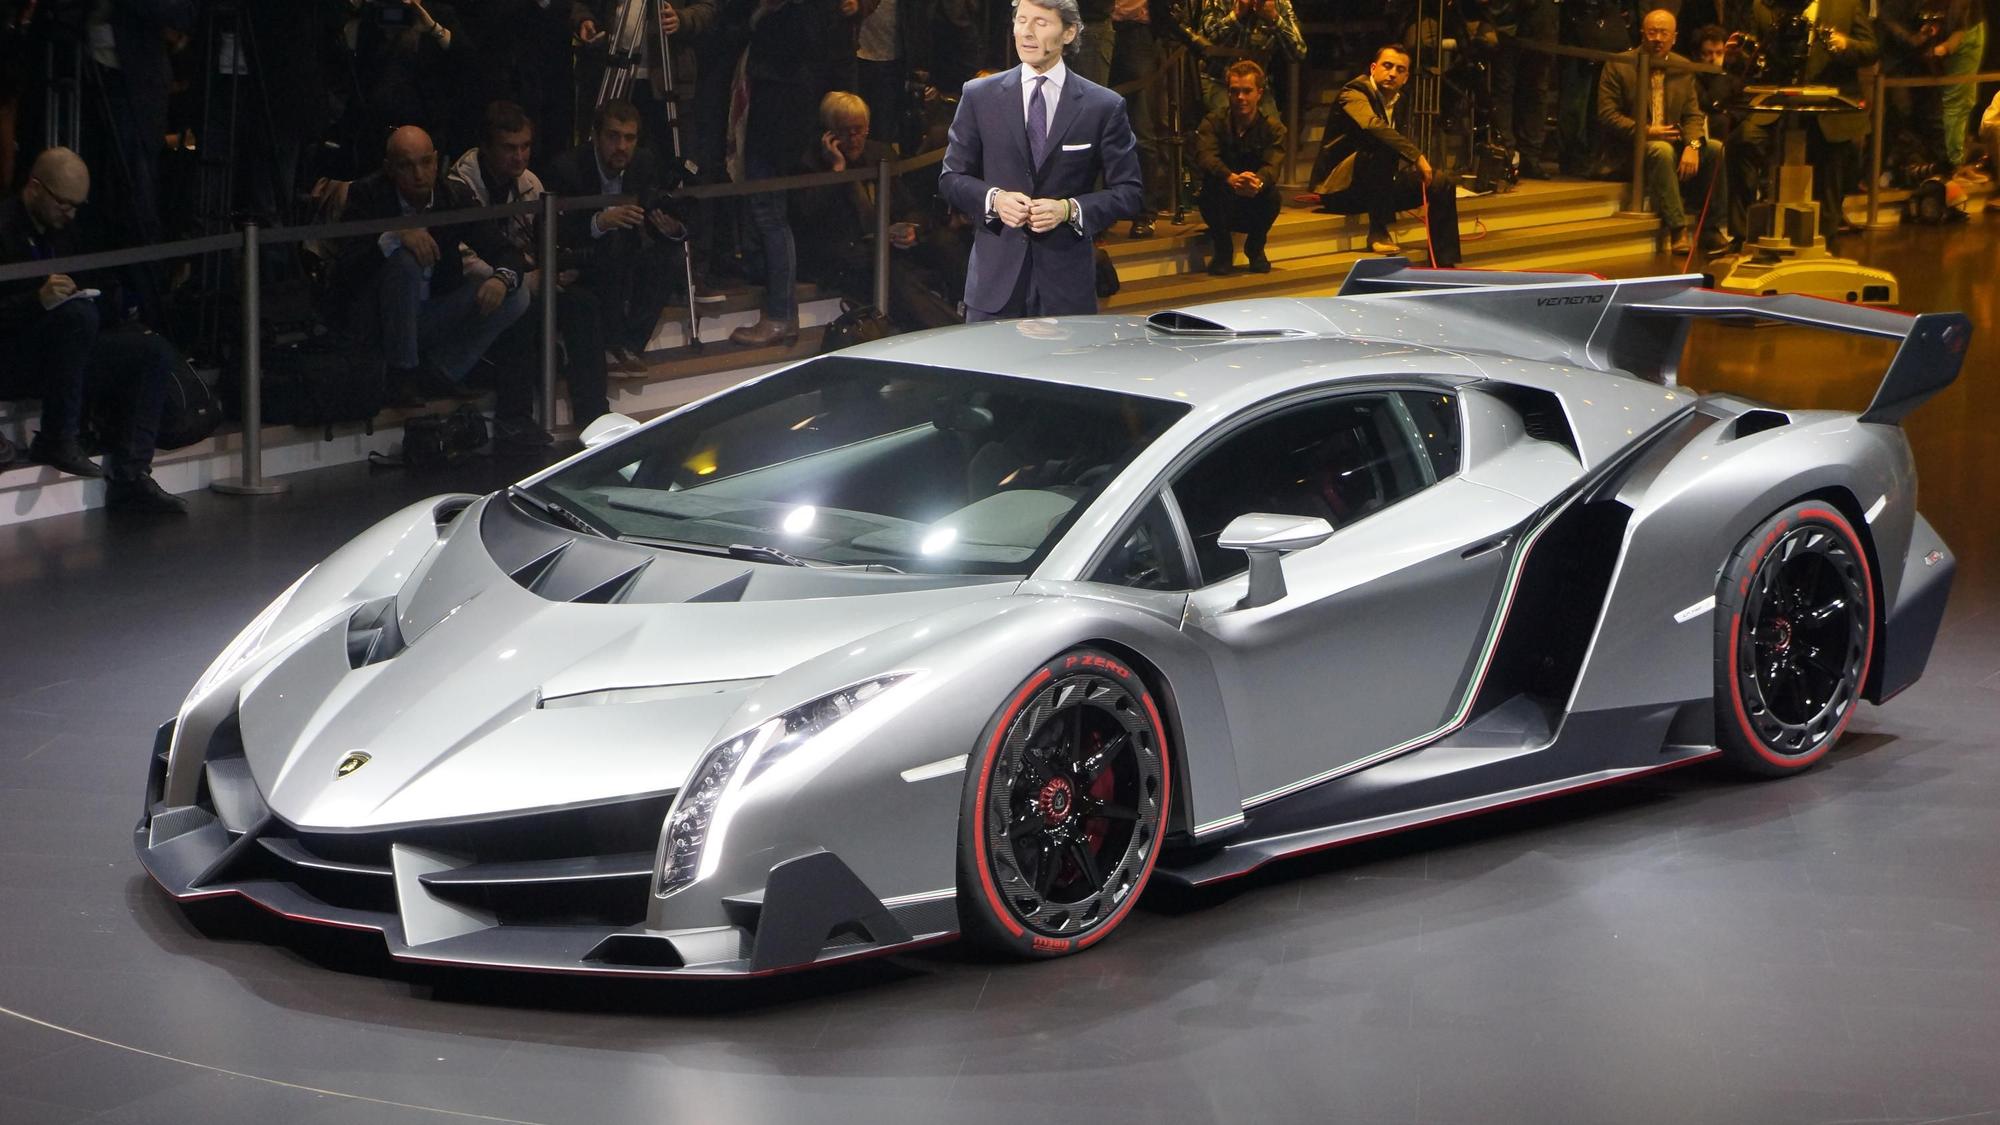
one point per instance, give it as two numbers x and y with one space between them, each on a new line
1691 949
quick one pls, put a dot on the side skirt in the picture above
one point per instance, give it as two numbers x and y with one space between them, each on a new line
1446 781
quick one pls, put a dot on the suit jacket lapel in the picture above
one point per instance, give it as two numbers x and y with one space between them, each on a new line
1010 104
1067 109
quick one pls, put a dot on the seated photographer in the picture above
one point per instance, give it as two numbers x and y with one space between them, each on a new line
1678 148
407 292
1825 43
625 255
841 217
1368 165
57 347
497 172
1238 150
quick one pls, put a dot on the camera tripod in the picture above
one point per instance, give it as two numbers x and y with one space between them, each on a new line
629 32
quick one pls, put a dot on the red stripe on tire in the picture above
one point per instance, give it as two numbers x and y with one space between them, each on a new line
1000 910
1756 741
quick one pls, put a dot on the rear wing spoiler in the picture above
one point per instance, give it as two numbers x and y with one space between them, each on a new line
1640 325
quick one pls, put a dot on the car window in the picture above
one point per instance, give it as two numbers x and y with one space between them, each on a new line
1436 418
1147 557
857 462
1339 459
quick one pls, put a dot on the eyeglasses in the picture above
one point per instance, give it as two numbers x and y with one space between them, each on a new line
68 206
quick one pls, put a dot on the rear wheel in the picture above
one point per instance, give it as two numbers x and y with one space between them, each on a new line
1064 807
1795 623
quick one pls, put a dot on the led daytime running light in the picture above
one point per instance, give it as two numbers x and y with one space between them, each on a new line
722 771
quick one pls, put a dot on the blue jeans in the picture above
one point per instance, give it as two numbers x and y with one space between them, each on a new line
409 322
781 267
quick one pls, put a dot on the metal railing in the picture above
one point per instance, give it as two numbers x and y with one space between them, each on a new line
1878 111
1636 202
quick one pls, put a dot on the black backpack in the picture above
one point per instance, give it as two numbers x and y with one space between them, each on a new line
191 412
323 381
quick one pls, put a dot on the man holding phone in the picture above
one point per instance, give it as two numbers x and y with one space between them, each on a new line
50 334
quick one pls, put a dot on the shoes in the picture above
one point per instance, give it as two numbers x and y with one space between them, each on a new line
1142 228
1714 242
1971 174
706 294
1383 244
63 454
766 332
141 493
520 435
1219 265
624 363
1533 170
1681 243
1258 262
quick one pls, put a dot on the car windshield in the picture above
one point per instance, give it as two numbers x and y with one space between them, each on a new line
855 462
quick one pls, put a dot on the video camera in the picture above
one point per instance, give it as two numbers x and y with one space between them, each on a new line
1782 60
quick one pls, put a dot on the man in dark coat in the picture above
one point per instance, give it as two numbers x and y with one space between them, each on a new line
1369 166
625 254
1238 150
51 335
408 292
1027 147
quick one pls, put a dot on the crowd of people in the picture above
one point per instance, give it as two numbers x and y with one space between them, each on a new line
306 110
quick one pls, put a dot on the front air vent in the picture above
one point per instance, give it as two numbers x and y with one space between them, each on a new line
446 511
373 633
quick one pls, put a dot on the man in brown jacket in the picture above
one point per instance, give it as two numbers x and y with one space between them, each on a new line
1368 166
1678 148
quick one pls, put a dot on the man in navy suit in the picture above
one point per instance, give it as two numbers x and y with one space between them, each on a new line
1026 153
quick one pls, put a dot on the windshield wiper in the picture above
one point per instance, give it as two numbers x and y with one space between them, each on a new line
555 511
765 554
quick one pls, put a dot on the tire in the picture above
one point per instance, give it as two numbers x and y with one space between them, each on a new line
1064 809
1795 626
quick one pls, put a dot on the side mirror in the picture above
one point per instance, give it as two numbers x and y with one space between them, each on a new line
606 428
1266 537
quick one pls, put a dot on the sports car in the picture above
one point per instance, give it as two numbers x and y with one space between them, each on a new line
977 632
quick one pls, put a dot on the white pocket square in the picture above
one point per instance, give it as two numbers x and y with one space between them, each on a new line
1076 148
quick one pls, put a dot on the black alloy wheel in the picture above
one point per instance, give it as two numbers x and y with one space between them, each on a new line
1064 808
1795 625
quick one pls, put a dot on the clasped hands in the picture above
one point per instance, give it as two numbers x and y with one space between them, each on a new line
1016 209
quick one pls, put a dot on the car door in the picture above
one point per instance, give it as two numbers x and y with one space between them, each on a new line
1382 626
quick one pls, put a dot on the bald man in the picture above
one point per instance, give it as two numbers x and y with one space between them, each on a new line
411 293
1680 155
54 350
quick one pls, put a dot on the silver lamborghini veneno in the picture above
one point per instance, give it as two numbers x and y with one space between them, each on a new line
975 632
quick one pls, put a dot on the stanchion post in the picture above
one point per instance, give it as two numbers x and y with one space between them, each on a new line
1294 123
1877 115
884 190
548 266
1636 201
251 482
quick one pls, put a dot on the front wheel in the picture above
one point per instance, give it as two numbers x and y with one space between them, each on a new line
1064 808
1795 624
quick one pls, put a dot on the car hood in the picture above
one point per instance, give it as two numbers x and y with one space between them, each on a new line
498 697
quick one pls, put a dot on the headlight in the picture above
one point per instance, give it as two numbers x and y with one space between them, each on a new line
698 814
245 645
